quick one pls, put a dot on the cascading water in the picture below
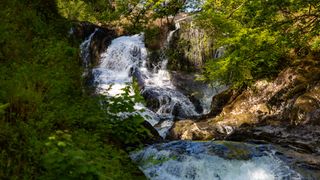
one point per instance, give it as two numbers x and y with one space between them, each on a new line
85 51
183 160
158 84
122 56
125 58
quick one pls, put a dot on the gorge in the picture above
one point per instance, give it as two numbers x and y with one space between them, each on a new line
160 89
125 60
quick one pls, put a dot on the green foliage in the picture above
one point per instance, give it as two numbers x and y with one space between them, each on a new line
3 107
42 95
123 119
76 10
82 156
152 35
165 8
258 36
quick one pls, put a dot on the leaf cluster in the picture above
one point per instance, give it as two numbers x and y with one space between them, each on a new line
258 36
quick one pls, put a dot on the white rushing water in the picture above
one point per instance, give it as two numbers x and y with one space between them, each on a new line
117 63
182 160
125 58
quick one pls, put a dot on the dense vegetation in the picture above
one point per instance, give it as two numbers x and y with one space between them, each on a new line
260 37
50 128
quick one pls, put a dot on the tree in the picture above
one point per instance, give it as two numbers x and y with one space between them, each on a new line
167 8
258 36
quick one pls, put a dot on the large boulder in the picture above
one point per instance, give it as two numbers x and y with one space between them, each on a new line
190 130
292 99
222 99
306 108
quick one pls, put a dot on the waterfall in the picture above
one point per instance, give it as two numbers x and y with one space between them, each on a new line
158 82
171 33
117 63
125 58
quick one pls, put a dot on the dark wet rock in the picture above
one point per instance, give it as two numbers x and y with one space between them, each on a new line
154 136
172 102
197 104
195 90
304 139
222 99
100 41
139 77
151 99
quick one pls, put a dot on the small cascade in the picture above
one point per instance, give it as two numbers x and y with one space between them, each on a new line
115 70
207 94
158 85
171 33
85 50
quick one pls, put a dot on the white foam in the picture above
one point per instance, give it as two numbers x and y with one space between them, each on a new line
181 163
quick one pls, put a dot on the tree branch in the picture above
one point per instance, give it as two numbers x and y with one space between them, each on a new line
229 16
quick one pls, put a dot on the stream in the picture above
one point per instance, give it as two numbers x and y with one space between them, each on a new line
127 57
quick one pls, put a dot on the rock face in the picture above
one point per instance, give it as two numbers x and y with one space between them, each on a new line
191 47
222 99
100 41
283 110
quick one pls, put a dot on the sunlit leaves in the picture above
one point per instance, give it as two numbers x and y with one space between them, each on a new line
258 35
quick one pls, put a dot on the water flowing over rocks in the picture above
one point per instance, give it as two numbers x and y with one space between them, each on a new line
200 93
284 111
125 59
214 160
95 37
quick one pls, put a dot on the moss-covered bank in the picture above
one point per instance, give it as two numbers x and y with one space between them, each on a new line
50 128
